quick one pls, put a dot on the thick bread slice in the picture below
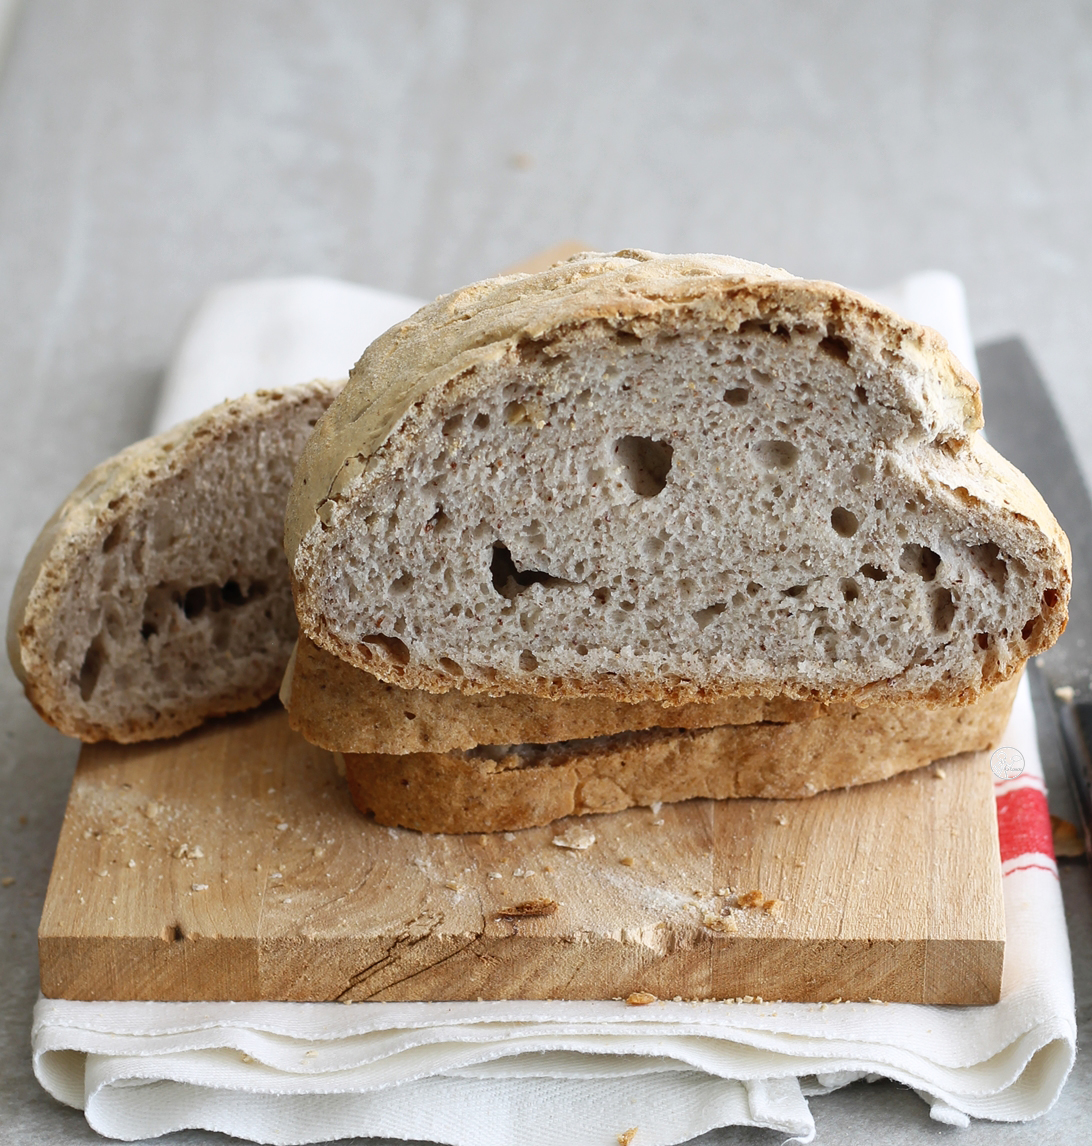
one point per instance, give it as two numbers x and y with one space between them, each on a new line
504 789
670 478
345 709
158 594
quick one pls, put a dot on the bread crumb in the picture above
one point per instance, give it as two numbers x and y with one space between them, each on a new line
750 899
349 1002
627 861
748 999
509 836
530 909
719 923
1065 693
626 1137
659 823
245 1057
782 819
282 827
575 837
640 999
772 906
939 773
655 807
451 885
310 1054
151 809
880 1001
132 863
199 887
1068 839
496 875
318 853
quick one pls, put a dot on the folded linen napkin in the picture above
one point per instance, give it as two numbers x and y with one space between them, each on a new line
565 1073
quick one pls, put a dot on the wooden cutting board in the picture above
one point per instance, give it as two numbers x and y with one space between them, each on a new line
230 864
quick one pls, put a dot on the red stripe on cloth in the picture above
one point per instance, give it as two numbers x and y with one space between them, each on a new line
1030 866
1023 824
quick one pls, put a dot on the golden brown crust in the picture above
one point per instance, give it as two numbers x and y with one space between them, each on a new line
429 362
345 709
468 792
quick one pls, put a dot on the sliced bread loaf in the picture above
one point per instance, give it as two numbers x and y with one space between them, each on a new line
345 709
158 594
670 479
505 788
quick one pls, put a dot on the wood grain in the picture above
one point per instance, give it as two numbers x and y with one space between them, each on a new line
230 864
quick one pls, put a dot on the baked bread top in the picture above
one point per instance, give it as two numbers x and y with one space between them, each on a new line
669 478
157 595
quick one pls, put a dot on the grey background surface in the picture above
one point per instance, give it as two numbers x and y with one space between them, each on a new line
150 149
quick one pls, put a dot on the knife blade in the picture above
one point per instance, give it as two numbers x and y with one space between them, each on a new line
1023 424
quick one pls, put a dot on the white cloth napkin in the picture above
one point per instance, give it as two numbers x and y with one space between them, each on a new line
557 1073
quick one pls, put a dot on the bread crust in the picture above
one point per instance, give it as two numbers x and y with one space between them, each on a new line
408 377
345 709
460 792
51 589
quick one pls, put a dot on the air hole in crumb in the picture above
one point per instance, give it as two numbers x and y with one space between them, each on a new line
943 610
112 538
982 640
528 661
776 455
753 589
193 604
794 591
850 589
1029 628
510 581
391 647
582 650
704 616
148 630
452 424
645 464
91 668
1050 598
991 563
836 347
481 422
450 666
844 523
921 560
862 395
737 396
873 572
402 585
515 413
601 596
410 715
232 594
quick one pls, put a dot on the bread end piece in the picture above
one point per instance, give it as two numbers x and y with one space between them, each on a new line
506 789
157 595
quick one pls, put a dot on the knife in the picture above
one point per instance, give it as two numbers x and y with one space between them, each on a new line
1024 426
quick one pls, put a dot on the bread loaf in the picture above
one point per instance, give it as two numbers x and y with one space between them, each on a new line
345 709
505 788
670 479
158 594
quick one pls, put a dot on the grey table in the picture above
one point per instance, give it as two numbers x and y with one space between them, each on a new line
149 149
